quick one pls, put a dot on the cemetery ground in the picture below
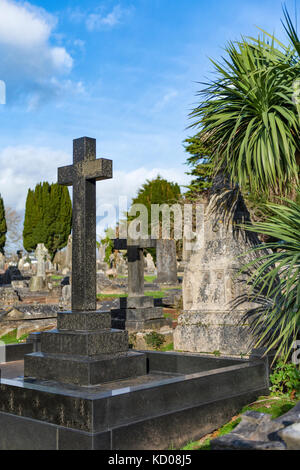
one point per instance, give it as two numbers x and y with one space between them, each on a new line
275 406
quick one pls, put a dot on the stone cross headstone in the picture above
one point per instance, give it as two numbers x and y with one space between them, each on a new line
82 175
84 350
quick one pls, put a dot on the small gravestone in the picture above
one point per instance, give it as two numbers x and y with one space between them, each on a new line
2 261
38 282
166 262
101 263
149 264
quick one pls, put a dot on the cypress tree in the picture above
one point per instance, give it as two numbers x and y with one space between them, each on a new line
3 226
48 217
202 167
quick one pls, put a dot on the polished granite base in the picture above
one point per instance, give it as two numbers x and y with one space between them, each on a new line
181 398
84 351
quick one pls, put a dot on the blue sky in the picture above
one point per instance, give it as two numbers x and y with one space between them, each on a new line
124 72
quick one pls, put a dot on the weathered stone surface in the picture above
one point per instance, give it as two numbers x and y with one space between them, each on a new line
215 295
37 283
166 262
291 437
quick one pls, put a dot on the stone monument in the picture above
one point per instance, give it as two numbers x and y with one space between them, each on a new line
38 282
84 350
149 264
138 312
213 319
166 262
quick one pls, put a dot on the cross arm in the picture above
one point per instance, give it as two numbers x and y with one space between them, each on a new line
100 169
65 175
122 244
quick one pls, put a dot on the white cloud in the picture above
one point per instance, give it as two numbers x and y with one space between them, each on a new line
22 167
96 21
28 60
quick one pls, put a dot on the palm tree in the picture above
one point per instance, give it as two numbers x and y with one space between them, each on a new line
275 283
248 116
251 121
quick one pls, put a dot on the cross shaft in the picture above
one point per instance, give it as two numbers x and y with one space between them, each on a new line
82 175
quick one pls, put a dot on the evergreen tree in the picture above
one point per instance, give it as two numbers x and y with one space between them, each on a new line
3 226
48 217
202 167
157 191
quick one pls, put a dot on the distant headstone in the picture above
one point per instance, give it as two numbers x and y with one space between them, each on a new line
68 260
2 261
149 264
38 282
166 262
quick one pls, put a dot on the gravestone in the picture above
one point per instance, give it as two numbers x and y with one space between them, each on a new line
38 282
166 262
138 312
149 264
101 264
68 259
213 319
84 350
121 264
2 261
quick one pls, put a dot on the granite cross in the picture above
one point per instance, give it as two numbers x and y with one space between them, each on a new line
82 175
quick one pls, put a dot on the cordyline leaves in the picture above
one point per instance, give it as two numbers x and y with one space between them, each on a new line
277 279
248 116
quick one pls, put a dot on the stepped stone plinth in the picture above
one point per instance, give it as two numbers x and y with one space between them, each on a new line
85 351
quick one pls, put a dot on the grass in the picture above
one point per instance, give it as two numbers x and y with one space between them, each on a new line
110 296
155 295
275 406
168 347
150 279
11 338
56 278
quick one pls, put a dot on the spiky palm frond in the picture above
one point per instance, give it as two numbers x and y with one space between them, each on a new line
277 279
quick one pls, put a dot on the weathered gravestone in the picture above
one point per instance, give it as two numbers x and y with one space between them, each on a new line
101 264
149 264
38 282
166 262
214 293
137 312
